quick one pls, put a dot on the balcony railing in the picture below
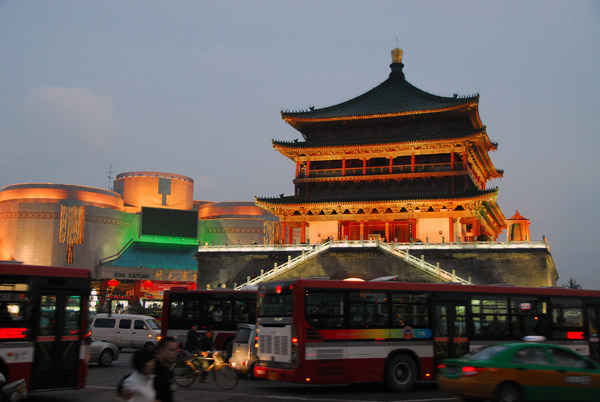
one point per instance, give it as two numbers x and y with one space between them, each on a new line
379 170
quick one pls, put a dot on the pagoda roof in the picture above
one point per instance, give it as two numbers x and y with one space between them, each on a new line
517 217
393 97
449 135
353 198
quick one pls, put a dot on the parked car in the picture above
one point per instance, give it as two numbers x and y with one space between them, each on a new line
103 352
522 371
243 350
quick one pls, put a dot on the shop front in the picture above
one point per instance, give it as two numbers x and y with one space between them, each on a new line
120 288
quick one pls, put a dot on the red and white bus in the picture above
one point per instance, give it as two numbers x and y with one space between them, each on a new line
339 332
220 310
43 325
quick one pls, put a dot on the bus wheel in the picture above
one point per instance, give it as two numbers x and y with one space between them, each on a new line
401 373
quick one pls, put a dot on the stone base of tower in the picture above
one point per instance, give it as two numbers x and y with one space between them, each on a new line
516 266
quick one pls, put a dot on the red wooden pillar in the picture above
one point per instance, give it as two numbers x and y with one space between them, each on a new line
303 232
387 231
364 166
103 286
307 169
391 163
283 232
451 160
362 230
291 235
297 169
451 237
412 162
344 167
464 157
137 291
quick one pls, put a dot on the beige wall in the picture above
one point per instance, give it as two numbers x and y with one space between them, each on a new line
430 228
319 231
29 232
142 189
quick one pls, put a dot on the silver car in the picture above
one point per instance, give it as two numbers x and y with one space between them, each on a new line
103 352
243 351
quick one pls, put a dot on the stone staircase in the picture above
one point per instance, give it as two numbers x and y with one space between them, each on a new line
397 250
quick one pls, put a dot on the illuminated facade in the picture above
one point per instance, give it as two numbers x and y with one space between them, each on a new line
154 189
101 230
395 163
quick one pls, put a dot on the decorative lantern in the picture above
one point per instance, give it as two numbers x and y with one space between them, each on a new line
113 283
147 284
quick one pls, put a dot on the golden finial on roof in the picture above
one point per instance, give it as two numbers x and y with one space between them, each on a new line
396 55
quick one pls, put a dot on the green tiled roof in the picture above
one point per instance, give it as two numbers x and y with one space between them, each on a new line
393 96
152 255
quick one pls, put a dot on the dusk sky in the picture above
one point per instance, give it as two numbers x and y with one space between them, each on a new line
196 88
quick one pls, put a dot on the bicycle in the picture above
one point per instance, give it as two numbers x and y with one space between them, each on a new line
188 369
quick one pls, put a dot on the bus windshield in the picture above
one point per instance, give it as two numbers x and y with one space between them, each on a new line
275 301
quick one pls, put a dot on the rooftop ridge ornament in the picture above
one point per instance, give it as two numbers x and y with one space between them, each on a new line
397 55
397 65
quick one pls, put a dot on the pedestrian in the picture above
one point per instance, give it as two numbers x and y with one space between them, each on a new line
165 357
139 385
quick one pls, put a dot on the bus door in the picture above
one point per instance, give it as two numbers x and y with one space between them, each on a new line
56 359
593 319
449 330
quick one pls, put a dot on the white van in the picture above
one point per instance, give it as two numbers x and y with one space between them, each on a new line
126 330
243 352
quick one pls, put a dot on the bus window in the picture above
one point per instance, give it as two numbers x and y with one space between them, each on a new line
13 303
368 309
72 314
409 310
244 312
592 322
47 314
324 310
276 303
490 316
528 316
567 318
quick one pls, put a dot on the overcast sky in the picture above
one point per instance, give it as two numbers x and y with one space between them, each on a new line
196 88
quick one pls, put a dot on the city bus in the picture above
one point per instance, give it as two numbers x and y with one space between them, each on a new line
339 332
43 325
219 310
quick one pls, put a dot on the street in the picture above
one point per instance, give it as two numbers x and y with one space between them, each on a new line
102 381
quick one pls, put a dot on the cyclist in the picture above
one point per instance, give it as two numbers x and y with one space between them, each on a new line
191 343
206 347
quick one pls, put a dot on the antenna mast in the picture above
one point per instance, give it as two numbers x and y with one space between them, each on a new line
110 176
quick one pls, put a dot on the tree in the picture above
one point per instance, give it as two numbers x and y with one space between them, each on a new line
572 284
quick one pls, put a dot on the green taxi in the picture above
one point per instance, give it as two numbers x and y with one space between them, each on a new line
521 371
